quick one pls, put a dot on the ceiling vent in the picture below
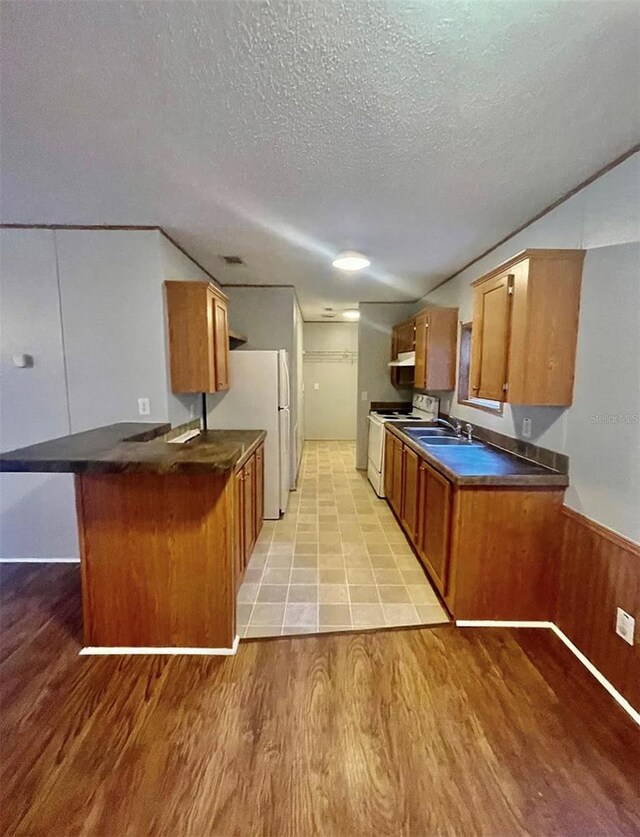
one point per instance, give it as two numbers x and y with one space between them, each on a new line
233 259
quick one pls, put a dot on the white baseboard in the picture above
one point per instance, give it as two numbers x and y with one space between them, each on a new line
615 694
500 623
39 560
105 650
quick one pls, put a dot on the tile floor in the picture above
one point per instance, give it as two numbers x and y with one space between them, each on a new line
336 561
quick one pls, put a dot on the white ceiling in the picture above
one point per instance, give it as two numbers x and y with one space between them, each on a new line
417 132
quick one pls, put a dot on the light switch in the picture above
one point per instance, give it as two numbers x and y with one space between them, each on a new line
316 386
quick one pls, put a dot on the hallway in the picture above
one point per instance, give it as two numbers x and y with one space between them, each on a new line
337 561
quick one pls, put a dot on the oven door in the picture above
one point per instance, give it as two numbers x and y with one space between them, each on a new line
376 443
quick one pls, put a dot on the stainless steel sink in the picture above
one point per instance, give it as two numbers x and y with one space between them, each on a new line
419 432
437 441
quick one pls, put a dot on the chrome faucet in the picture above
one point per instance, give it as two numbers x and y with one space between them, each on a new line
455 427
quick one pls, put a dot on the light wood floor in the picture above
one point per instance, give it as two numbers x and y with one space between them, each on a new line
417 732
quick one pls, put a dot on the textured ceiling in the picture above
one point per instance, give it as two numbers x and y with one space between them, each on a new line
418 132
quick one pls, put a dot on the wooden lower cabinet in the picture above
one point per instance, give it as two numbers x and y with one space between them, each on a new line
389 446
398 476
410 494
249 493
491 551
434 524
238 526
259 511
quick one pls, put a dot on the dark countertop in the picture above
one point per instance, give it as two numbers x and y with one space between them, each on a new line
480 463
130 447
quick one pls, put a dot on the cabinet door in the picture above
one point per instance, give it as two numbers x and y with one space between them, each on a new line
396 494
434 523
490 337
388 465
406 336
249 493
238 534
259 490
221 344
410 492
393 371
420 380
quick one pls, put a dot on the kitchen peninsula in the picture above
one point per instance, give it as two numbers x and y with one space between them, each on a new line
165 530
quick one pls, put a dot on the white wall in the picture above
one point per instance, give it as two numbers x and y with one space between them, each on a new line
113 317
89 305
605 214
266 316
297 430
603 424
37 512
374 353
330 410
174 265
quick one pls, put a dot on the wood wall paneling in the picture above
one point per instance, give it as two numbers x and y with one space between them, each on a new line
600 571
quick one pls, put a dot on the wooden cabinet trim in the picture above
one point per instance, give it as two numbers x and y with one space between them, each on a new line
542 253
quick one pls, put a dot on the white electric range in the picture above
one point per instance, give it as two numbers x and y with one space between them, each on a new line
424 408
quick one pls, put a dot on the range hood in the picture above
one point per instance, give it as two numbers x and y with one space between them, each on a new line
404 359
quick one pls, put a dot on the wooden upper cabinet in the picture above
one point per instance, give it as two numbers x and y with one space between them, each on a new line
403 339
221 340
198 337
420 370
491 323
525 328
436 343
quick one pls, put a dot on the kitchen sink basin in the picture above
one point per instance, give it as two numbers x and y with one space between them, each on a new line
428 431
431 441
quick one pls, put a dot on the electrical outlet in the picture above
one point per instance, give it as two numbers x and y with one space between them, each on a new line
316 386
625 625
364 396
144 407
526 428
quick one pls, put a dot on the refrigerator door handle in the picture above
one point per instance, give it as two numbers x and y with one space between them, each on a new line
284 397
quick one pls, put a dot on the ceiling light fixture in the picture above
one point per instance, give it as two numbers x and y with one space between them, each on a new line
351 261
351 314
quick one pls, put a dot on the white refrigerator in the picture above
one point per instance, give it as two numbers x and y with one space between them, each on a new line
258 399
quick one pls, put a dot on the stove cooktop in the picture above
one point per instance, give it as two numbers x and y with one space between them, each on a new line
396 415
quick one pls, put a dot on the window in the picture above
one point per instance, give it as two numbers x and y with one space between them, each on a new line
463 376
